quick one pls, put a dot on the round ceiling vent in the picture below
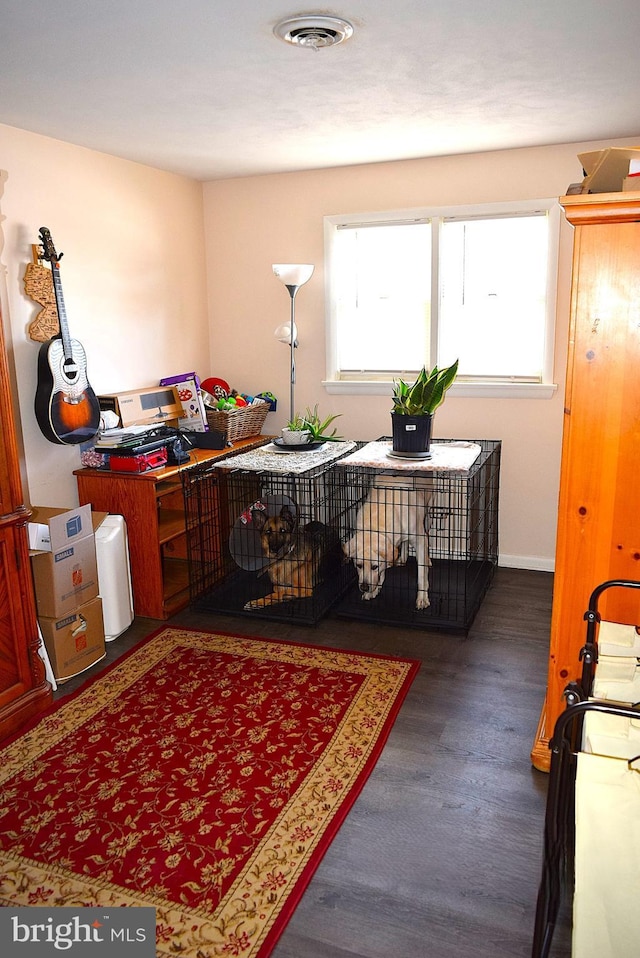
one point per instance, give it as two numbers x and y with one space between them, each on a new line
315 32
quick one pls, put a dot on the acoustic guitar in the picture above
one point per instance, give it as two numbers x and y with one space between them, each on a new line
66 406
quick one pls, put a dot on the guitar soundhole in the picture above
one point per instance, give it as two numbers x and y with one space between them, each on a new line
70 369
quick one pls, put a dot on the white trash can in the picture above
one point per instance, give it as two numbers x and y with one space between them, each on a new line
114 576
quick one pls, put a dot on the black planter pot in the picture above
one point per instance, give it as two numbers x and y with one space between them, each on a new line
411 434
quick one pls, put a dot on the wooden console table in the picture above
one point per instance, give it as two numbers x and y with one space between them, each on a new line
152 504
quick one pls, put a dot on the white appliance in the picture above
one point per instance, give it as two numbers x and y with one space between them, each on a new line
114 576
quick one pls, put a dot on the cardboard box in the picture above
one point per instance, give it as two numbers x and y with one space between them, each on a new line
64 565
75 641
606 169
194 415
139 407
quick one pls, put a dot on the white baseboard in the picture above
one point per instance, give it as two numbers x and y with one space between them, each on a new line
535 563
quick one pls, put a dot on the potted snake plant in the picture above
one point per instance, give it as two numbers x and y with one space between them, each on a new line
414 407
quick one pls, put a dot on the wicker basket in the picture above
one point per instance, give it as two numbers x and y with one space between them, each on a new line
240 423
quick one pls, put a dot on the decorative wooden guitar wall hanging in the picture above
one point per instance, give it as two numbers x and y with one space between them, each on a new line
38 285
66 406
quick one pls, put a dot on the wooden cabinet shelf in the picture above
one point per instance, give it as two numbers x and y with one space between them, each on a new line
152 504
168 486
170 524
176 583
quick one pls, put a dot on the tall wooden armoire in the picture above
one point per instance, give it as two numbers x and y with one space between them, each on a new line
24 690
599 504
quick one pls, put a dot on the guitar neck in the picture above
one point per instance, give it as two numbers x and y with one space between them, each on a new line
62 313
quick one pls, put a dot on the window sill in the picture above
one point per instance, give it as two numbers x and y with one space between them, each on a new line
338 387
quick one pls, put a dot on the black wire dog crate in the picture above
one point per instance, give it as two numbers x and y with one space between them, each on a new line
263 534
383 505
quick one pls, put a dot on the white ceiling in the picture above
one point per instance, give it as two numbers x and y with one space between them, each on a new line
203 88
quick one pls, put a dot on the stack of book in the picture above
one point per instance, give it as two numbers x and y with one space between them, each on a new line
131 449
132 441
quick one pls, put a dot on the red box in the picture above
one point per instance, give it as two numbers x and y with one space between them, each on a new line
140 463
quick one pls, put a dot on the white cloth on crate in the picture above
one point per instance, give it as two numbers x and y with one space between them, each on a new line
455 456
269 458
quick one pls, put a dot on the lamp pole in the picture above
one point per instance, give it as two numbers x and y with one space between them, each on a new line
293 343
293 275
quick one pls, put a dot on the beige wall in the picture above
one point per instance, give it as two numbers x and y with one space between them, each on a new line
132 275
253 222
135 280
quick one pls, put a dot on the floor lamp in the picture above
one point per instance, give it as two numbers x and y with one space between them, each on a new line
293 275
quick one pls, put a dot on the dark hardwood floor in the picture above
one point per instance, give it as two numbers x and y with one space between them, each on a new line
441 855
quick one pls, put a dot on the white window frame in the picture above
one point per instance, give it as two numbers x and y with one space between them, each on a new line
470 388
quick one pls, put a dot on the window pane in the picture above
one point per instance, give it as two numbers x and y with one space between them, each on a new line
383 283
493 284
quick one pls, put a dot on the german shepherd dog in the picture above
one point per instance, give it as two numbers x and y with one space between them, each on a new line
297 555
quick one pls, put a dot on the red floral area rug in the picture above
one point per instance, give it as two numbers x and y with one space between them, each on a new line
204 775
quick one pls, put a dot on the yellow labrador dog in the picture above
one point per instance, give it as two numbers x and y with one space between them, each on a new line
393 517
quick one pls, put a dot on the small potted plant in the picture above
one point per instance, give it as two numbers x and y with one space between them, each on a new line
296 433
414 407
308 428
